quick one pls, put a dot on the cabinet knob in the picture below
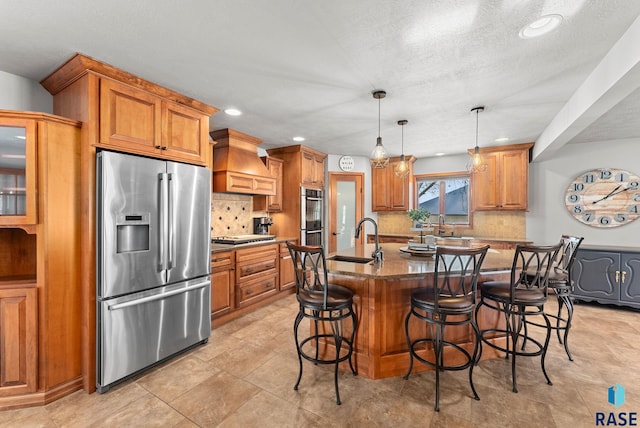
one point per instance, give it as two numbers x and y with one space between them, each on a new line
624 273
158 147
165 148
617 276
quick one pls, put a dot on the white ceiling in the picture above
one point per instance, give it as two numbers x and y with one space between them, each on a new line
307 67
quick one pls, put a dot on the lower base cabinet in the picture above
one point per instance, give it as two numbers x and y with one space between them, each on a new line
222 283
287 272
607 275
18 340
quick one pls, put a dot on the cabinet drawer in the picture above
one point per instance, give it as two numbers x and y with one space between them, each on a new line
254 268
222 260
256 253
252 291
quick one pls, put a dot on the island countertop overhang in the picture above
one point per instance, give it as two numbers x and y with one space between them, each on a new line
397 264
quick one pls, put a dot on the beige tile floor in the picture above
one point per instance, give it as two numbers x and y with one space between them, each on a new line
244 377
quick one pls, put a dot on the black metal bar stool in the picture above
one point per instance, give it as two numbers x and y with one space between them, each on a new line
561 284
522 297
449 301
323 303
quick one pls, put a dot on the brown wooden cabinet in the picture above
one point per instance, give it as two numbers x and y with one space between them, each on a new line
256 273
222 283
301 165
77 88
504 186
271 203
312 164
287 271
18 339
389 192
136 121
44 251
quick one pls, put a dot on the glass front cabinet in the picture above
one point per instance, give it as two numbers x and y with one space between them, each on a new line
17 171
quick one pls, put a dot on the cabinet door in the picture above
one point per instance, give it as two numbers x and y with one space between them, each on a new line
630 278
18 341
513 180
399 195
318 170
308 165
221 292
184 134
379 189
486 184
594 275
129 118
18 171
287 270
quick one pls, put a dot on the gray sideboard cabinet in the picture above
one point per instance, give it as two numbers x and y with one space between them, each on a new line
608 275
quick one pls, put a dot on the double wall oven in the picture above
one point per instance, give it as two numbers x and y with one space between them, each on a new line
312 214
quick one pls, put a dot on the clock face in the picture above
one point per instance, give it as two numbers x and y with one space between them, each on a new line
605 197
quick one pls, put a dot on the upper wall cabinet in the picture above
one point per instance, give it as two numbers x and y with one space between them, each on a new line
303 167
504 186
388 191
17 171
133 115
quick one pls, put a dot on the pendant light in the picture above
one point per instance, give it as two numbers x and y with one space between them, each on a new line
477 163
402 168
379 158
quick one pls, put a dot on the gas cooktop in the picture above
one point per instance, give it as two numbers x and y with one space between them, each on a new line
241 239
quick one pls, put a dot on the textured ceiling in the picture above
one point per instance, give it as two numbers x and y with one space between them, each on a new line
303 67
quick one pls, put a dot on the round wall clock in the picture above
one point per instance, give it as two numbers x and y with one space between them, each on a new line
606 197
346 163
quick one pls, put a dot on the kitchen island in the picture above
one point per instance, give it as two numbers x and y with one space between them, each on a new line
382 300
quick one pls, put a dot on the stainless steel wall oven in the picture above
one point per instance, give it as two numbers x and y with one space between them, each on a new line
312 216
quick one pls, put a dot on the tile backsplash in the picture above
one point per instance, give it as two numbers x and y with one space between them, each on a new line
232 214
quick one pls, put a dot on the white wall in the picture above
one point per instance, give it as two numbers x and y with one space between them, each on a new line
548 217
19 93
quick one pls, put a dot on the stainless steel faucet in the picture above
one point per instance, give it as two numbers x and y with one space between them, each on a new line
377 254
441 225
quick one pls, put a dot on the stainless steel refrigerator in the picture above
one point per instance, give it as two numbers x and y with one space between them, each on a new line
153 262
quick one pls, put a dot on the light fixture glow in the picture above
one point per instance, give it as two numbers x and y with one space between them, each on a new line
476 163
298 139
379 158
401 169
541 26
233 112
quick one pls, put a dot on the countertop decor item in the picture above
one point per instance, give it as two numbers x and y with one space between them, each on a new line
419 215
379 157
604 197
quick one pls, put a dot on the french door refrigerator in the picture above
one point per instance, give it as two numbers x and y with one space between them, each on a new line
153 262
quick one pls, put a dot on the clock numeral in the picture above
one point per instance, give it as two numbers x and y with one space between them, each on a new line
573 198
636 197
589 178
577 209
634 184
604 220
588 216
605 175
622 177
578 187
634 209
620 218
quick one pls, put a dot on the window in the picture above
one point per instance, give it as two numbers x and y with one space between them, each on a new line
446 194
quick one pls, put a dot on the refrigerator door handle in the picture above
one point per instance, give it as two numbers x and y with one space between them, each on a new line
162 178
172 231
158 296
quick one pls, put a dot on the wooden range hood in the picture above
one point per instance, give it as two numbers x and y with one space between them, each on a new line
236 165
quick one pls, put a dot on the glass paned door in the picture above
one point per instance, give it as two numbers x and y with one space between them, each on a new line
345 208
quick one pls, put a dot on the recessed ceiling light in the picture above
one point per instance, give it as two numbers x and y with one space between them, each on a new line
21 137
233 112
541 26
501 140
440 154
298 139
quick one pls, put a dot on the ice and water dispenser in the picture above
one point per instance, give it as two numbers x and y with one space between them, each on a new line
132 232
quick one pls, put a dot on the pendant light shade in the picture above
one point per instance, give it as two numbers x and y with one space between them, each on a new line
379 157
476 162
402 168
